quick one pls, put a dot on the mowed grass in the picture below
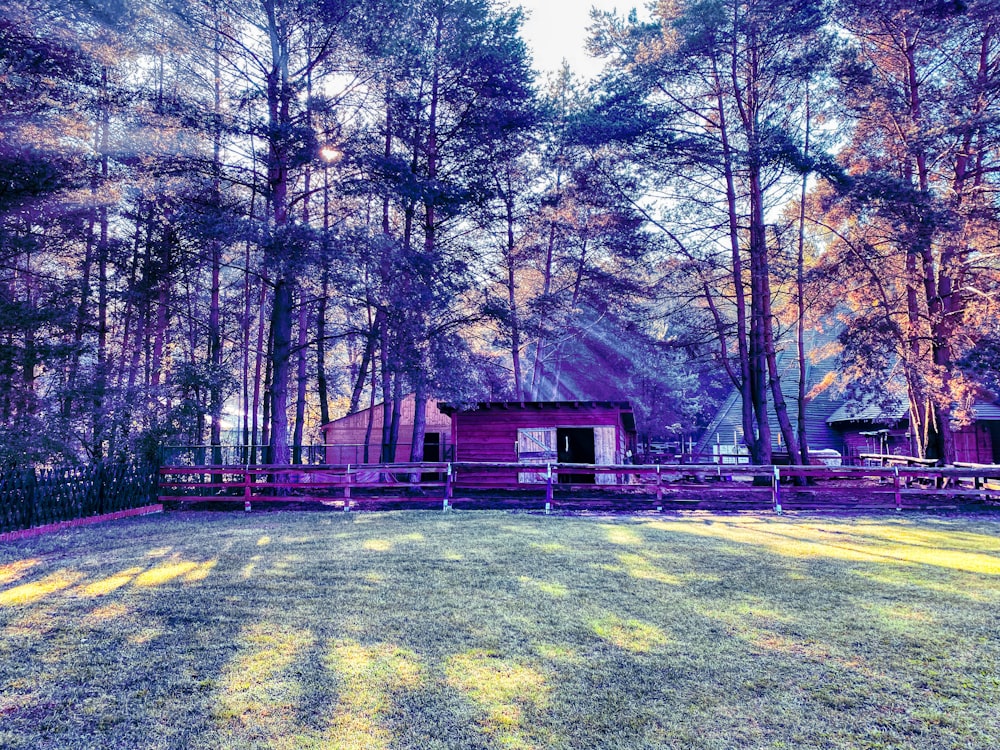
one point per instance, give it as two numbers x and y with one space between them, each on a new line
508 631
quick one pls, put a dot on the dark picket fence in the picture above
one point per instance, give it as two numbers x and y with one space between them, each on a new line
36 497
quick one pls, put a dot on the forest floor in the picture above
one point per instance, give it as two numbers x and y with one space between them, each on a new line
480 630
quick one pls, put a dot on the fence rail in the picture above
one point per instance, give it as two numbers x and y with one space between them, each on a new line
36 497
687 485
309 455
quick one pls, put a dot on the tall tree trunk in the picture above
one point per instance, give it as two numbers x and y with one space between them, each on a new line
385 456
422 345
321 383
767 335
537 366
281 334
515 323
80 327
419 420
371 341
279 99
131 296
265 438
371 416
215 251
300 393
800 302
260 357
101 373
745 383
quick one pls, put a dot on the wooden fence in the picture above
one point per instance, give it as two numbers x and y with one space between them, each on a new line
709 486
36 497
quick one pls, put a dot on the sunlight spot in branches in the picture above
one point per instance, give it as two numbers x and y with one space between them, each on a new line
263 541
30 592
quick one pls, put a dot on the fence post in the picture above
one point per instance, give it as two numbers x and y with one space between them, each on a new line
659 485
99 482
29 497
448 490
347 484
776 490
548 484
895 488
246 488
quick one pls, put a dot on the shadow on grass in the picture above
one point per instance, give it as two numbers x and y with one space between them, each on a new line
417 630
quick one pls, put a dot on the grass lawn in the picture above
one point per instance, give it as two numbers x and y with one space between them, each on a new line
489 630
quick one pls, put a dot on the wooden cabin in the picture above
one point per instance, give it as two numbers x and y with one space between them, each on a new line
723 442
542 432
870 429
344 438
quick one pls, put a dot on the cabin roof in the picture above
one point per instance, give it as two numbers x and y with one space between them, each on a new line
450 409
407 406
852 411
987 412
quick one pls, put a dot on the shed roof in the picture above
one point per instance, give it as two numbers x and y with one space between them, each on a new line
359 419
852 411
537 405
987 412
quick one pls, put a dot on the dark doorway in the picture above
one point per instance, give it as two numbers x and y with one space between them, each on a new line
575 446
432 454
994 428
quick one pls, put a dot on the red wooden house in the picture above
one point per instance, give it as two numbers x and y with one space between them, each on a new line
871 429
542 432
344 439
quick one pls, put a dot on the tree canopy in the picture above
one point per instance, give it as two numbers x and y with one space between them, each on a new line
229 221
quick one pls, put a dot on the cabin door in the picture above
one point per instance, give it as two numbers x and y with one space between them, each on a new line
606 450
535 445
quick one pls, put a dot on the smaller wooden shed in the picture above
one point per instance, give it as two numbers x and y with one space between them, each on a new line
584 432
344 438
